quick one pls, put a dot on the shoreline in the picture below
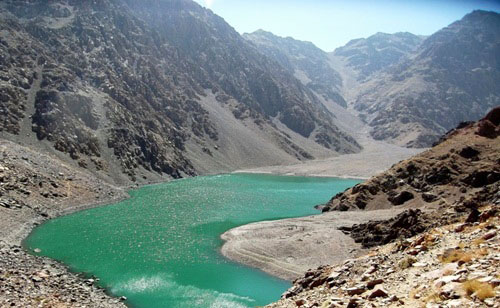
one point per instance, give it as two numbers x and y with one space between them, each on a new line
278 248
79 203
97 192
311 175
28 227
36 187
360 166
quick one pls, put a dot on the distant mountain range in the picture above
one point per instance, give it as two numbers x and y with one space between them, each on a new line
375 53
142 90
452 76
409 89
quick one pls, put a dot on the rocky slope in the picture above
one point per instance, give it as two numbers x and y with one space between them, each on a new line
35 187
464 165
121 85
455 265
29 281
444 254
307 62
368 56
452 76
409 89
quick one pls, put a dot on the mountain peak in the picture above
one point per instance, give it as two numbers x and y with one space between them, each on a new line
480 13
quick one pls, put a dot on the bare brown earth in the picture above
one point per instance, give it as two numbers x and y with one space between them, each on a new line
465 164
454 265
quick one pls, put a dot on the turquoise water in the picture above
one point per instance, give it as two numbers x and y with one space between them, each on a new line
160 248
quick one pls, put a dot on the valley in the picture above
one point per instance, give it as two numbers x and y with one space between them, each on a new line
101 101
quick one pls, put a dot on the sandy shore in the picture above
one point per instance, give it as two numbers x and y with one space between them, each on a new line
287 248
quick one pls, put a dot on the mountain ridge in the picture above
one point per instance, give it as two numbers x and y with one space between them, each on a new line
449 79
306 61
132 100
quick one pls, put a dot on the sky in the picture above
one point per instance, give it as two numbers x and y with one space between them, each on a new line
332 23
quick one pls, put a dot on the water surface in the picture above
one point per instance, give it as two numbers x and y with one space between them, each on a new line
160 248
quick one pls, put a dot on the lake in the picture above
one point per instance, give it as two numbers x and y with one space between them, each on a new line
160 248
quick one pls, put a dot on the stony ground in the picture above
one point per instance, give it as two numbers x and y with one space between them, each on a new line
29 281
456 265
447 256
35 187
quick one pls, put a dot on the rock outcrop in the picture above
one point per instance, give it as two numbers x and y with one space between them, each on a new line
443 254
464 166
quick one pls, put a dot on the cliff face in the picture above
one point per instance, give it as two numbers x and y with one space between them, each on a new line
121 85
452 76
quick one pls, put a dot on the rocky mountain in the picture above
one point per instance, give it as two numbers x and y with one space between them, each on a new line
442 250
464 165
453 76
151 88
367 56
307 62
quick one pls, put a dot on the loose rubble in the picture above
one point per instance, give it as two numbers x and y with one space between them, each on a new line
30 281
35 187
446 253
456 265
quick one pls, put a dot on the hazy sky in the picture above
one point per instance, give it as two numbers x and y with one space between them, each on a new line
332 23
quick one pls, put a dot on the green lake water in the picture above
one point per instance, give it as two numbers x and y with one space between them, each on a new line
160 248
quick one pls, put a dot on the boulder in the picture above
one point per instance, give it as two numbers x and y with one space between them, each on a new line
494 116
468 152
481 178
429 197
355 290
401 198
487 129
378 293
371 284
